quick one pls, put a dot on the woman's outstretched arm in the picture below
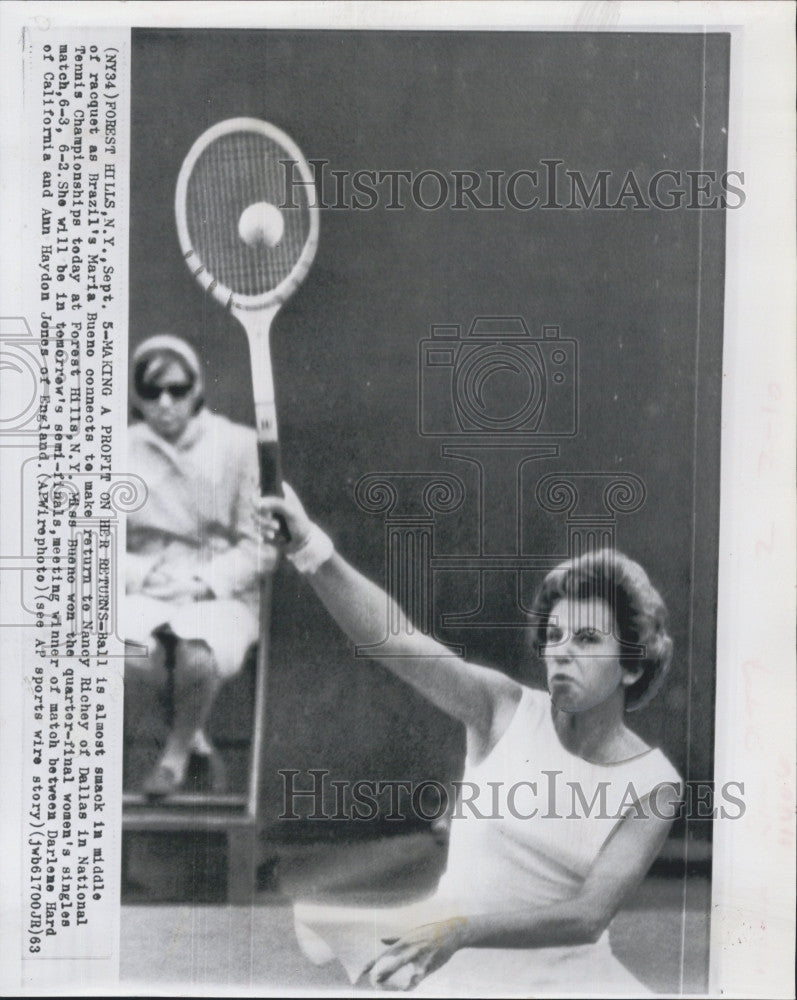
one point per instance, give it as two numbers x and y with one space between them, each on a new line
482 698
616 873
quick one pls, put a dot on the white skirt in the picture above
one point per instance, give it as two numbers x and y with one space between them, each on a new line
227 626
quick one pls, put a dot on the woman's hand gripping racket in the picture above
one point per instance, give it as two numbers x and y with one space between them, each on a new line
248 228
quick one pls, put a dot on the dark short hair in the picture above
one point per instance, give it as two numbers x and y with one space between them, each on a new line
152 365
638 608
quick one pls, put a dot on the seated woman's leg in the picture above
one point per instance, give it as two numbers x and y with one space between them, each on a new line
146 661
196 682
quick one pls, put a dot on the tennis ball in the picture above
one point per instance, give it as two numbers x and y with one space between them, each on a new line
261 223
401 979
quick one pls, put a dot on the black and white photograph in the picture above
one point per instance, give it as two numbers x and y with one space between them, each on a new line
497 388
420 515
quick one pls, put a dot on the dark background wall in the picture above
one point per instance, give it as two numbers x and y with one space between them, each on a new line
640 291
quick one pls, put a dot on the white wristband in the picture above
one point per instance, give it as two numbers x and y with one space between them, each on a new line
313 552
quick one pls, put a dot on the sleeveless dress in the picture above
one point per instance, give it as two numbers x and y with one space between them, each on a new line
505 856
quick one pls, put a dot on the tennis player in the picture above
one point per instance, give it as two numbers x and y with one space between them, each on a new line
573 806
192 561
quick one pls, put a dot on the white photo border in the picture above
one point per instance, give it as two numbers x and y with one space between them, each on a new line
752 936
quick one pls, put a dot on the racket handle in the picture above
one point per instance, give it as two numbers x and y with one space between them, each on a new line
268 456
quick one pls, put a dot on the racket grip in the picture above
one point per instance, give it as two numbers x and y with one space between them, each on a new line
268 456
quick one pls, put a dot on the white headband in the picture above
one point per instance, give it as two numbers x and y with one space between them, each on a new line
167 343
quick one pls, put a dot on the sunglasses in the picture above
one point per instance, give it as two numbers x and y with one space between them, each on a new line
178 390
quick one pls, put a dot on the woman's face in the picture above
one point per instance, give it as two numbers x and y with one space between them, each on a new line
168 400
582 655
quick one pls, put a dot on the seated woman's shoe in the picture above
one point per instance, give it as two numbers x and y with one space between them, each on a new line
162 781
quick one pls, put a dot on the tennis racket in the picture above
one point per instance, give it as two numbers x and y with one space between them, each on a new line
247 220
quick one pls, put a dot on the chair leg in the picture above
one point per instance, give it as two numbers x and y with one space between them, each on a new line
241 865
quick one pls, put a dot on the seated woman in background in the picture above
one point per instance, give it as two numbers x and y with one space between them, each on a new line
564 807
192 550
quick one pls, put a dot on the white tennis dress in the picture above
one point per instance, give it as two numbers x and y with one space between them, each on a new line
504 856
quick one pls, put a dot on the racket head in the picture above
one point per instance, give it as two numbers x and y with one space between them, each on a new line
233 165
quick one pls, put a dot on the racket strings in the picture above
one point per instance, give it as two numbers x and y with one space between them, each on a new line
235 171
